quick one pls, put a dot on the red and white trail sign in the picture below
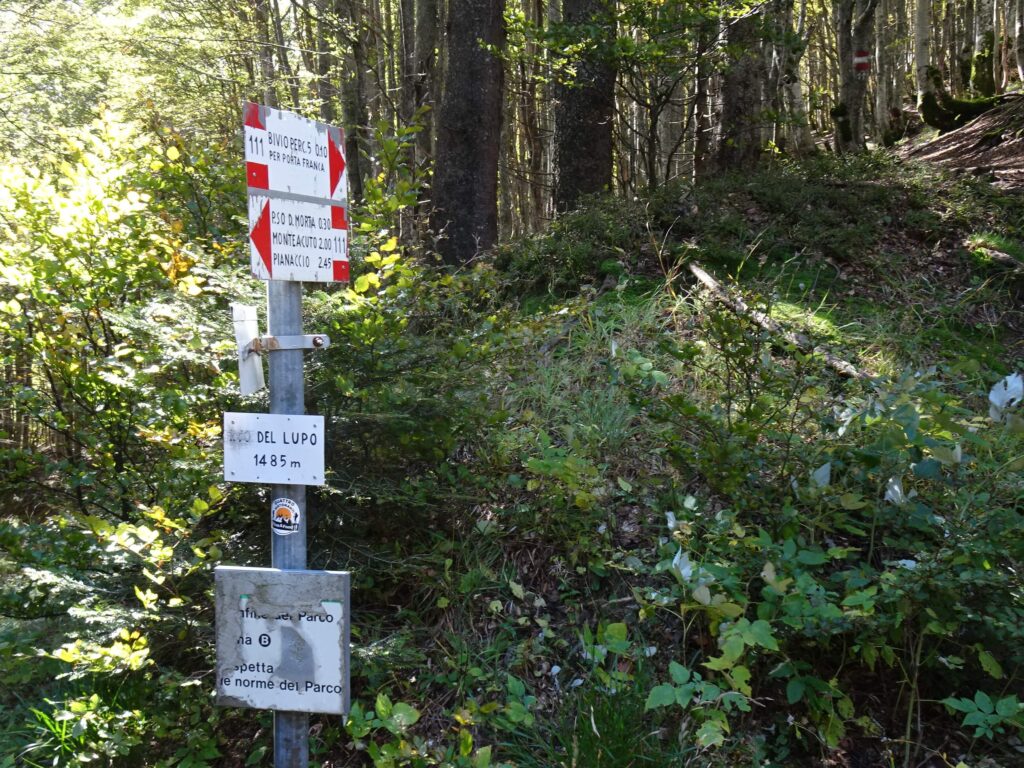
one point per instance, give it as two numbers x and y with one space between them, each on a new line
297 240
298 197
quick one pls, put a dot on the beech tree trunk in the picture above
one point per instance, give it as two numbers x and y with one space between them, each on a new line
883 85
323 62
967 50
739 145
282 54
465 191
984 41
1005 15
355 112
802 140
584 112
854 24
949 44
703 124
261 16
997 47
407 63
425 81
777 43
922 49
1019 39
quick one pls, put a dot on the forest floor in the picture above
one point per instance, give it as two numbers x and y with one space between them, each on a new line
599 515
689 540
990 146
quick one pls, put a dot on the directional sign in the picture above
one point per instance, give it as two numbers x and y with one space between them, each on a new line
274 449
297 240
285 152
298 197
283 639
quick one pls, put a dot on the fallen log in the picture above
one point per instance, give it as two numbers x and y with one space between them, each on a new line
801 342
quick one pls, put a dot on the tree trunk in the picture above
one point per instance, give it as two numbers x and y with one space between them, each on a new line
1006 13
922 50
407 61
950 44
984 41
703 125
282 54
740 143
465 190
532 116
802 140
940 40
997 47
967 49
323 61
1019 39
424 83
777 43
584 111
355 112
854 24
883 85
261 16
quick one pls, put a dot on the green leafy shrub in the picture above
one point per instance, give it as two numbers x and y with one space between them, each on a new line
885 539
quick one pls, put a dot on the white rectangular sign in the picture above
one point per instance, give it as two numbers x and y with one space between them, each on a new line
275 449
297 240
285 152
283 639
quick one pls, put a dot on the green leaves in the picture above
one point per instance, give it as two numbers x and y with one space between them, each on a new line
741 635
396 718
663 695
988 718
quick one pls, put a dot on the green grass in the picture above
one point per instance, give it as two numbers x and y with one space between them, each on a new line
604 729
982 243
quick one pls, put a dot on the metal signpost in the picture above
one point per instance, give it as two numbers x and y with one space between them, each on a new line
283 632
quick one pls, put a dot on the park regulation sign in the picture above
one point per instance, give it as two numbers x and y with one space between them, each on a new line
274 449
298 197
283 639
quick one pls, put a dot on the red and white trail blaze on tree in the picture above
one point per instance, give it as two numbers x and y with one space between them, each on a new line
855 29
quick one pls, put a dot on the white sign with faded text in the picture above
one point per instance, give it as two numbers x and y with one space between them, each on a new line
283 639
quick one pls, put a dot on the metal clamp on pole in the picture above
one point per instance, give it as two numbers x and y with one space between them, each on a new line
263 344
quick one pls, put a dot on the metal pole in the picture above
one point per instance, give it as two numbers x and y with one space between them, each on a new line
284 318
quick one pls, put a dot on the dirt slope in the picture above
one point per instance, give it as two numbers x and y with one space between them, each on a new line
992 143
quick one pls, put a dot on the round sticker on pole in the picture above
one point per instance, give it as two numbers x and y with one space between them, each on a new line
284 516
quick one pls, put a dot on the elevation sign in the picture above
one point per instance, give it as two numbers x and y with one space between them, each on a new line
298 197
274 449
